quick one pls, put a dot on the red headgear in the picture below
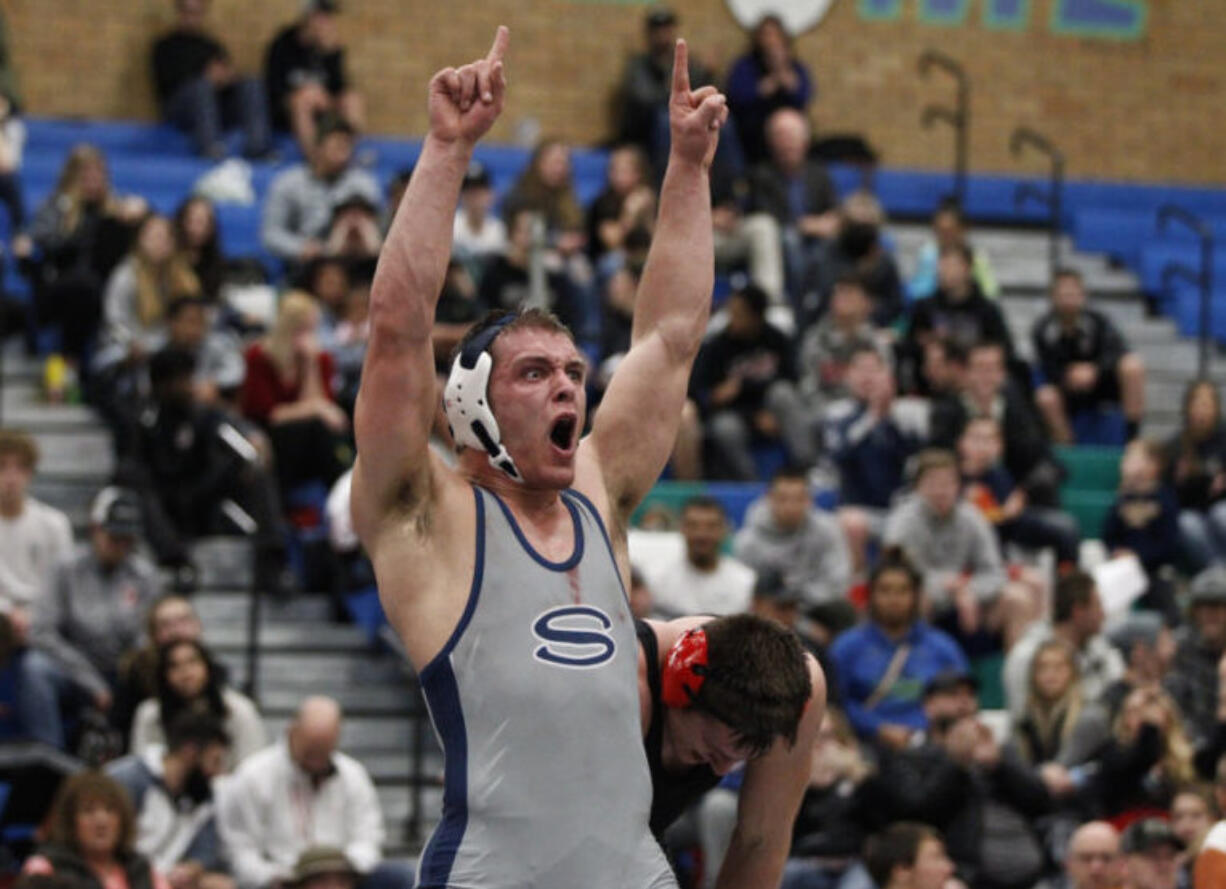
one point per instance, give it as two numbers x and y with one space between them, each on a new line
685 668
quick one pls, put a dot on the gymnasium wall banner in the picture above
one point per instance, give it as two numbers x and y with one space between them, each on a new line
797 15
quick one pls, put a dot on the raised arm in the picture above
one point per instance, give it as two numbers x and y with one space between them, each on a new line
637 423
397 399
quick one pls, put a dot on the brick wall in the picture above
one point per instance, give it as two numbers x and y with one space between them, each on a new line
1144 110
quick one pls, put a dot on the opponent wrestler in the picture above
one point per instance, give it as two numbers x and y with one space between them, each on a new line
499 576
717 692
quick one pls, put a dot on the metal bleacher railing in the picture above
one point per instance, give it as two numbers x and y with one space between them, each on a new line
958 117
1167 214
1054 198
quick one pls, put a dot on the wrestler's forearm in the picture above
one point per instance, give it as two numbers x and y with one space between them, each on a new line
752 863
413 264
674 298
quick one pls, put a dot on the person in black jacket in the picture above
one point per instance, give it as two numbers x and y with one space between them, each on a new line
305 75
1085 362
745 381
92 834
961 782
199 90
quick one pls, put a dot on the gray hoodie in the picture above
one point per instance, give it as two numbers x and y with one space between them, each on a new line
961 543
813 559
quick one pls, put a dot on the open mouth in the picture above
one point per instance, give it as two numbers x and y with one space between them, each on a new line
562 433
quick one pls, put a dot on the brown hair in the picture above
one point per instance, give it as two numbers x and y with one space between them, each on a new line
158 284
85 787
67 187
18 443
934 458
521 319
757 682
896 846
559 205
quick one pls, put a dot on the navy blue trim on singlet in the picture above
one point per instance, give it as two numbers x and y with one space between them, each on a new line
474 591
591 507
443 698
528 548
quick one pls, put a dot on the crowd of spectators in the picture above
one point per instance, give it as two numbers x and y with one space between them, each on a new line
907 400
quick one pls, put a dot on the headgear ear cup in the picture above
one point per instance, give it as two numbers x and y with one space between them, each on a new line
685 668
466 404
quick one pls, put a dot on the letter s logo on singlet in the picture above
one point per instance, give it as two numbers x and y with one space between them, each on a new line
575 636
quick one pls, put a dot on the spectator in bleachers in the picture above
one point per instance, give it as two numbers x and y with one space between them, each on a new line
80 234
302 199
646 81
1148 756
949 230
1210 866
826 836
508 282
217 353
784 532
12 152
617 320
188 681
1196 470
701 579
198 241
171 618
958 311
988 391
1085 362
200 91
328 279
965 583
354 233
350 337
856 248
989 485
1077 620
826 347
90 615
170 787
298 793
908 855
288 390
91 838
479 235
745 382
1144 521
767 78
1151 855
34 537
1054 701
870 436
547 188
1147 646
960 780
942 373
752 242
795 189
1092 860
1193 813
628 202
1193 680
323 867
884 665
306 79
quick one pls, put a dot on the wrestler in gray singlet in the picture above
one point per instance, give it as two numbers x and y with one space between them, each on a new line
535 701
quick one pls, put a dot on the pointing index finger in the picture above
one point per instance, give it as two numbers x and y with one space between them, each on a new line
681 67
499 49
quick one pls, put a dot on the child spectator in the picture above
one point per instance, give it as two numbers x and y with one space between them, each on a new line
949 230
200 91
1196 470
883 665
305 74
288 390
92 838
826 347
188 681
198 241
1085 362
1144 521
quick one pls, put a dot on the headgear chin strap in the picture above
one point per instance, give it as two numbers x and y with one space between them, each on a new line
466 400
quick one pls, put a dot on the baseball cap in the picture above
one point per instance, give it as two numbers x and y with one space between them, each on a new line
319 860
476 176
1143 835
660 17
117 511
1209 587
1134 627
950 680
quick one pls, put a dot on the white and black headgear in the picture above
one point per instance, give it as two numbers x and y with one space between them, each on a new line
466 399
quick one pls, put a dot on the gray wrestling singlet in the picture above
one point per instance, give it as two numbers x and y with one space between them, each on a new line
535 701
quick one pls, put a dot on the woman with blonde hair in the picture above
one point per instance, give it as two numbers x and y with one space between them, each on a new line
1053 704
1148 757
77 236
289 391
